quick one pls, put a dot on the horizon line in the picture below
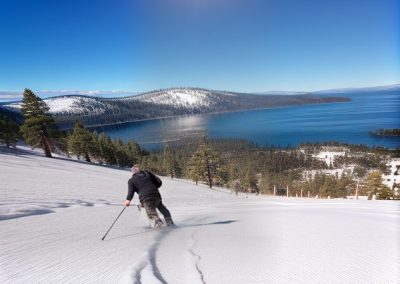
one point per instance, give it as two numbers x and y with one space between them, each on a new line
10 95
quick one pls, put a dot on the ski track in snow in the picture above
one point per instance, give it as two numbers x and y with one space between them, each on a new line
146 269
219 238
196 257
147 262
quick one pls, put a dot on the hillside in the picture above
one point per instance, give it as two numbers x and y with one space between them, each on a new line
53 213
164 103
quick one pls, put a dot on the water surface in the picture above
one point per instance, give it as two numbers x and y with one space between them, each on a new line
348 122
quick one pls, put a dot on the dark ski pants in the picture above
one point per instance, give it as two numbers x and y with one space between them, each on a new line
155 203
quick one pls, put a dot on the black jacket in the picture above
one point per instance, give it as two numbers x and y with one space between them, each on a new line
145 184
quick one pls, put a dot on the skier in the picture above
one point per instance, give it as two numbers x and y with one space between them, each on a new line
146 185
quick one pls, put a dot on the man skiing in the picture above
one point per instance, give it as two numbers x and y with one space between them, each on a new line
146 185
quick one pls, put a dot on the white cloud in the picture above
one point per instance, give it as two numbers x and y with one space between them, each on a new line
9 95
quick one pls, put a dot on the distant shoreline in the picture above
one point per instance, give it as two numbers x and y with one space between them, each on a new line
207 113
392 132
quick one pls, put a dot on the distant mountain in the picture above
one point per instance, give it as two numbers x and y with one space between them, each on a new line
357 90
282 93
95 111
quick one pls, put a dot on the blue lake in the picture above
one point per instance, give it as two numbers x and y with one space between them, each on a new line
348 122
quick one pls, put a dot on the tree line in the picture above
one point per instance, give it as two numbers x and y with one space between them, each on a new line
386 132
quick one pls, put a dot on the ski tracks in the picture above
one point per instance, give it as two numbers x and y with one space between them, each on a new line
145 270
195 258
170 258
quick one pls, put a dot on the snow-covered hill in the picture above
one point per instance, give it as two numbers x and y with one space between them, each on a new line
76 104
72 104
54 212
191 98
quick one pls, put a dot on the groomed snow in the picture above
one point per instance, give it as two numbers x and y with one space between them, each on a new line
55 211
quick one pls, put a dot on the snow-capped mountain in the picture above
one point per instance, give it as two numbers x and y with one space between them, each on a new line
178 97
76 104
72 104
190 98
163 103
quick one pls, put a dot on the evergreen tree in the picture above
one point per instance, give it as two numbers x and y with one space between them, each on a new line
222 175
250 180
204 164
266 183
385 193
38 126
95 150
107 149
342 185
9 131
376 187
121 156
133 151
170 163
196 168
328 186
233 171
81 142
151 163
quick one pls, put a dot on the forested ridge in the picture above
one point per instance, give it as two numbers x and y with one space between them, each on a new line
95 111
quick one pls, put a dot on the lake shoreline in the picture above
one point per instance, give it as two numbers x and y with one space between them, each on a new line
282 126
94 127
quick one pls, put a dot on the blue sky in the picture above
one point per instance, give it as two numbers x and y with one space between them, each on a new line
237 45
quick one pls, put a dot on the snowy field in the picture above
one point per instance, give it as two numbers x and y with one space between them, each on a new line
54 212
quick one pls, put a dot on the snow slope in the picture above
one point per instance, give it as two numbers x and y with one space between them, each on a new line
72 104
179 97
220 238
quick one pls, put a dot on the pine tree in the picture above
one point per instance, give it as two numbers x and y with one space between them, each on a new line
222 175
107 149
9 131
133 151
81 142
266 183
196 168
170 163
250 180
203 164
38 126
376 187
95 151
120 153
233 172
151 163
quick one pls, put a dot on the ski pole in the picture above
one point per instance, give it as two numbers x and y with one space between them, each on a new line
113 223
